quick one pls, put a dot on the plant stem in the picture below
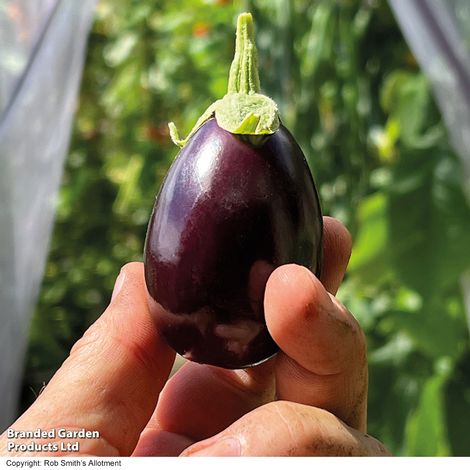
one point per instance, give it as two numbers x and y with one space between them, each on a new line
243 77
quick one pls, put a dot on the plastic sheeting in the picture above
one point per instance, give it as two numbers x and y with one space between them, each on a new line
42 45
438 32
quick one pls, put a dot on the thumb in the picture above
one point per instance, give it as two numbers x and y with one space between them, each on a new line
286 429
111 380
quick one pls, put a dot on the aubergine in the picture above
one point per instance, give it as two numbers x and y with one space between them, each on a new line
238 201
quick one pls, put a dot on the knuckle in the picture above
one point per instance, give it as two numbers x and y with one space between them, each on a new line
294 420
89 342
350 325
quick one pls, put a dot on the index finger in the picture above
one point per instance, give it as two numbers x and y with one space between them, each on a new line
111 380
337 245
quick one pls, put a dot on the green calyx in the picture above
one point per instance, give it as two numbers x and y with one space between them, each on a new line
243 110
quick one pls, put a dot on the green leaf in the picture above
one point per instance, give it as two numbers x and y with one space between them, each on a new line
429 223
319 38
426 433
457 398
128 189
118 52
370 251
432 330
406 96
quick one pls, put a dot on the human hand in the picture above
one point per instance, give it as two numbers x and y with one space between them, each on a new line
308 400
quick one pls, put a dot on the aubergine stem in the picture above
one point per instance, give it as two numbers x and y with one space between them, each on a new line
244 77
243 110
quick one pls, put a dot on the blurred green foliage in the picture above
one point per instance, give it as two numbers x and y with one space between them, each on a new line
351 92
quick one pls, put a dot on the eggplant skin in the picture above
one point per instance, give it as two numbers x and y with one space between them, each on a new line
226 216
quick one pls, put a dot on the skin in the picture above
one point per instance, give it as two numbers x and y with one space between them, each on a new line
310 399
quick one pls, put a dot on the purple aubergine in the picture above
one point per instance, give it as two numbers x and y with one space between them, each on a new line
227 214
238 201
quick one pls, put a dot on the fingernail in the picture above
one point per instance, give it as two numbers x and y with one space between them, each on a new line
118 285
225 447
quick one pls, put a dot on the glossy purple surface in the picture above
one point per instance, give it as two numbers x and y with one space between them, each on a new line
226 216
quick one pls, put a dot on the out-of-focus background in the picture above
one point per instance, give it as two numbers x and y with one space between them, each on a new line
353 94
